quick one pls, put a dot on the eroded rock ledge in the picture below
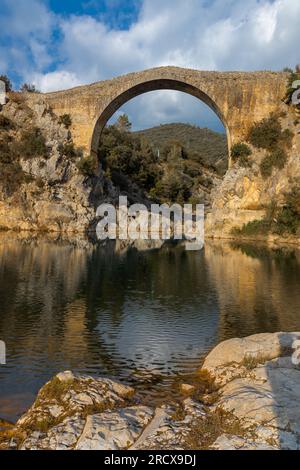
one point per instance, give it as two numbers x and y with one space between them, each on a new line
246 397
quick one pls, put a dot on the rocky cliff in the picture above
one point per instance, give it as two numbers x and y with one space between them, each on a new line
43 192
245 195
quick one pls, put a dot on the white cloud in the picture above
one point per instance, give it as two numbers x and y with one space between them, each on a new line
54 81
168 106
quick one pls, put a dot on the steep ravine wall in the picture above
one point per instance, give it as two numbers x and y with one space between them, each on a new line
244 195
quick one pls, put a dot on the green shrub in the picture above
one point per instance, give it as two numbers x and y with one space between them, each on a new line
252 228
288 217
276 159
266 134
5 123
88 165
17 98
266 167
69 150
66 120
279 158
28 88
5 150
287 221
240 150
293 199
279 220
12 177
32 144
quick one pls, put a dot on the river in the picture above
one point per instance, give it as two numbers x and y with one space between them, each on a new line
145 317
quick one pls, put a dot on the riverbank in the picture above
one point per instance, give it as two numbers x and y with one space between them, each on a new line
246 397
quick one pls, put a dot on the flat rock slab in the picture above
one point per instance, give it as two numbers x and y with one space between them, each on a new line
114 430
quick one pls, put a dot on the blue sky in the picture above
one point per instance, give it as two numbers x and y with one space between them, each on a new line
58 44
116 13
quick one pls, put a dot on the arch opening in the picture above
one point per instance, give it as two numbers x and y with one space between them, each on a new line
148 86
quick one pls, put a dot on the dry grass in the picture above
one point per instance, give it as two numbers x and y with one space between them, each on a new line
55 389
204 385
206 430
251 362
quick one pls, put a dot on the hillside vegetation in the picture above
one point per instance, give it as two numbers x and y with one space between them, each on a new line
175 173
202 145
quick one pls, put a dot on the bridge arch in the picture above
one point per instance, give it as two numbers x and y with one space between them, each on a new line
146 87
239 99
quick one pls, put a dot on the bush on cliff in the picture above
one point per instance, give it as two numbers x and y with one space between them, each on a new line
87 166
29 88
240 153
69 150
6 123
276 159
288 218
11 174
65 120
32 144
283 220
268 134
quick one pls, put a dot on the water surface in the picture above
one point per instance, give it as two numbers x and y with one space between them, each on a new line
147 318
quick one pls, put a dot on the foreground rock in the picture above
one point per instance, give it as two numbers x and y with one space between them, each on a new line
73 412
259 384
246 397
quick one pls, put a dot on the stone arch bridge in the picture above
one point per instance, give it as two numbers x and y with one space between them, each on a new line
238 98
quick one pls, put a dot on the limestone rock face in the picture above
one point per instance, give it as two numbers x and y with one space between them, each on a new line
259 383
55 197
243 195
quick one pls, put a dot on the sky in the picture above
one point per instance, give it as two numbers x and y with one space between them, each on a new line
58 44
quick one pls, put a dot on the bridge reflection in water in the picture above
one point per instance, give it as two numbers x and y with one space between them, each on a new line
146 317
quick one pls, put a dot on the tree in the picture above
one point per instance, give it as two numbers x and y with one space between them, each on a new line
123 124
7 82
29 88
